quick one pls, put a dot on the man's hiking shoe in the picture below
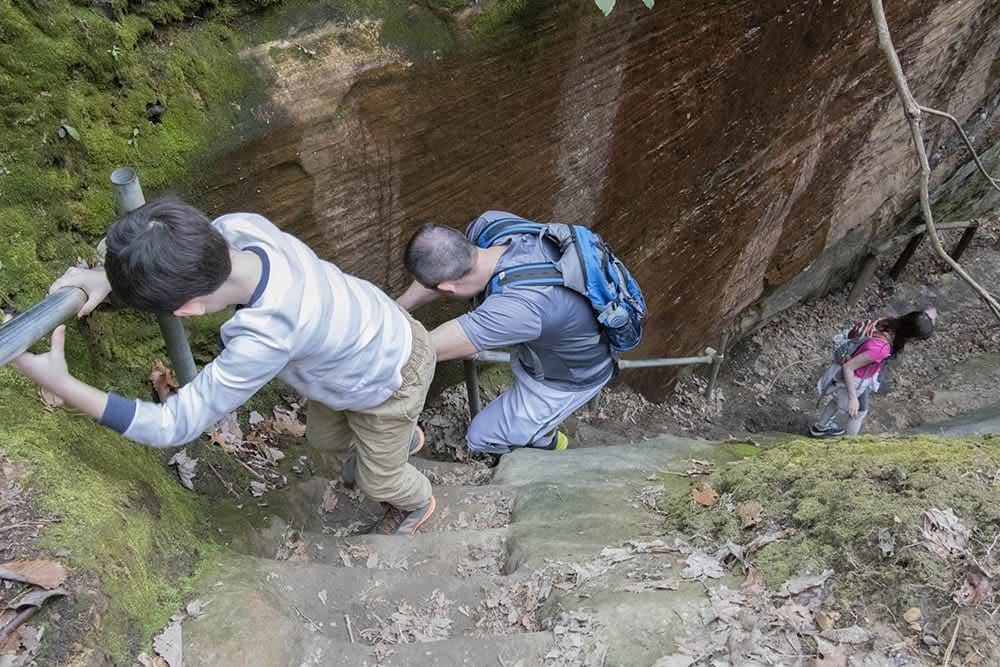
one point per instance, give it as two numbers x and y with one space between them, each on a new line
560 443
347 471
400 522
826 430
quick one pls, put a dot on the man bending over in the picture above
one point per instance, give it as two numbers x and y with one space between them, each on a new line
559 356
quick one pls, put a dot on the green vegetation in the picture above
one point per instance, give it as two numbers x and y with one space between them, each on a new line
838 494
75 82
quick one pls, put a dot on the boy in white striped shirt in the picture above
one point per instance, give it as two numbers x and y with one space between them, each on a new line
364 364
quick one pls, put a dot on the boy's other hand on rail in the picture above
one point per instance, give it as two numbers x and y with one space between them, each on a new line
94 282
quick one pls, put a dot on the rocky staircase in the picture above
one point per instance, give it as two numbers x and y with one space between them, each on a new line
550 558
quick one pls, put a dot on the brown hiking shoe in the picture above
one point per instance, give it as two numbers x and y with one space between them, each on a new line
396 521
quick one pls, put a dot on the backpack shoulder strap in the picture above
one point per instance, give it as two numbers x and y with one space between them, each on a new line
545 273
501 227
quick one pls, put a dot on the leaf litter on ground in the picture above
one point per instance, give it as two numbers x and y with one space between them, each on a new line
406 625
186 468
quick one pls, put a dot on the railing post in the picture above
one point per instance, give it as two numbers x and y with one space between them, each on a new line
472 386
905 256
128 197
964 242
716 363
866 273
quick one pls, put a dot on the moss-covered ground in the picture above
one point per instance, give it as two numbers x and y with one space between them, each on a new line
75 82
838 494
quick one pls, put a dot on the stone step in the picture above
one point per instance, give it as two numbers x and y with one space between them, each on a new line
458 553
451 473
255 636
379 602
458 508
264 613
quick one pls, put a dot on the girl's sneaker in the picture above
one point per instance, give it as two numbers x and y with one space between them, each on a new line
826 430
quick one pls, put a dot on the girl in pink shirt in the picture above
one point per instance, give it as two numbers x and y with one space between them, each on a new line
846 403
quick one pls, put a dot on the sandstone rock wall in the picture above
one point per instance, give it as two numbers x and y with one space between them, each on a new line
739 155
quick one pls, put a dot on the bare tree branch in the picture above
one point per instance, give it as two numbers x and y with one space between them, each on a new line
965 138
912 110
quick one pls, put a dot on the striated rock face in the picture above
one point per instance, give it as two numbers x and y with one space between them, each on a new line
723 148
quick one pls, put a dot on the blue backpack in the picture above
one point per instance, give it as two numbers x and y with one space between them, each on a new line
586 266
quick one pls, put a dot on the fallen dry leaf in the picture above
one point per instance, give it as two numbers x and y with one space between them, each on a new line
705 495
22 644
796 585
975 588
44 573
164 383
227 433
35 598
49 400
289 425
825 620
944 534
749 513
701 565
329 499
185 468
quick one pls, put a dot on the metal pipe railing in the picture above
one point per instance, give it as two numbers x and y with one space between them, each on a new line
707 358
17 335
711 356
128 197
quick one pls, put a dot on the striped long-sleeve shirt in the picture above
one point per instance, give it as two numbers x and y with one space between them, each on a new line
336 339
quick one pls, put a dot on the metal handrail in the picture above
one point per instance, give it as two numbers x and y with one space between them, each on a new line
20 333
710 356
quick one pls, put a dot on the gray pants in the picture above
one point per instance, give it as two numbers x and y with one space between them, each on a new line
835 407
525 415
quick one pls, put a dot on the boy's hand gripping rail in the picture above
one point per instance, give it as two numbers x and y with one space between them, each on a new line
26 329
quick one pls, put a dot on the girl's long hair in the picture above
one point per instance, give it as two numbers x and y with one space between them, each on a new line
916 324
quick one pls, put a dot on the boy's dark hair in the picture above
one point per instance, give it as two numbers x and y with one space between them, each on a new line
163 254
437 253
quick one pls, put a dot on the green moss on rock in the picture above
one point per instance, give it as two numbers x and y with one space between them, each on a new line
838 494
